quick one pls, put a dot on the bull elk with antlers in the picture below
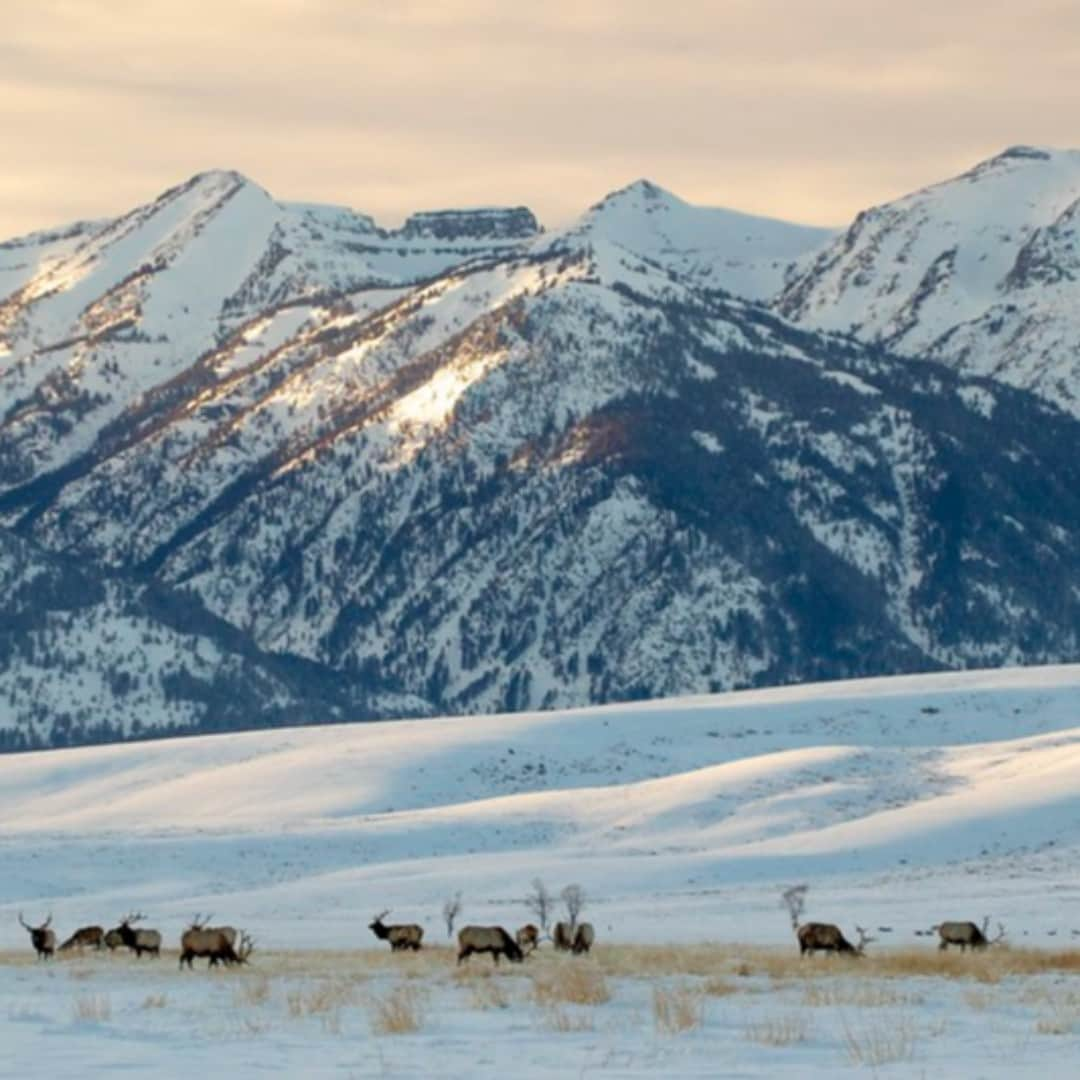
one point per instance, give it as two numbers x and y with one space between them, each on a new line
41 937
825 937
967 935
401 936
139 941
216 943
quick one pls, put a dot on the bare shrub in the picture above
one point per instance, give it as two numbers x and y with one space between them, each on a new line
782 1030
541 903
155 1001
399 1013
573 898
576 984
719 987
876 1040
451 910
92 1008
677 1009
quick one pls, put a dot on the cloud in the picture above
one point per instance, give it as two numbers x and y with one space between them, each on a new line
805 111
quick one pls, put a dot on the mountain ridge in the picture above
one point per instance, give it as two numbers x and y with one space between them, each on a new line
517 468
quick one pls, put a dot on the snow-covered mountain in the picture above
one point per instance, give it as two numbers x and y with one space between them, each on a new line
468 465
981 272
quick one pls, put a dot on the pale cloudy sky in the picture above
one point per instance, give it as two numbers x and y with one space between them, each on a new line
805 109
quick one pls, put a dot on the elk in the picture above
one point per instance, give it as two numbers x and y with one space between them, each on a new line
967 935
41 937
490 939
139 941
401 936
216 943
528 938
84 936
562 937
583 938
114 939
825 937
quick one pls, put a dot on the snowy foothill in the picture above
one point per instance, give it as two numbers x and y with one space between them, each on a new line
900 802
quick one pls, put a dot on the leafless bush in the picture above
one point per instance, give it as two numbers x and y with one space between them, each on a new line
573 898
784 1030
541 903
878 1040
451 910
92 1008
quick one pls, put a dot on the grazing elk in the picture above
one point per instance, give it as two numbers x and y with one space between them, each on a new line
41 937
825 937
967 935
562 937
584 937
489 939
113 939
528 938
85 936
139 941
401 936
216 943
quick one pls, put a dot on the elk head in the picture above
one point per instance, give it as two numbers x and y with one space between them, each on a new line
35 929
986 926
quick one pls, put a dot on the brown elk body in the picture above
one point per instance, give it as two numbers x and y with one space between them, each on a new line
41 937
402 936
488 939
214 943
562 937
584 937
528 938
85 937
967 935
139 941
825 937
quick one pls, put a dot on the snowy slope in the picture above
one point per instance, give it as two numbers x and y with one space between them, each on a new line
742 254
880 793
981 272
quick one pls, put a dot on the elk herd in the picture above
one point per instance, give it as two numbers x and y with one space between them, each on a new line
213 943
225 945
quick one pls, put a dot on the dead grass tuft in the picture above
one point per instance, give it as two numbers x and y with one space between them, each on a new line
559 1019
323 997
1059 1016
252 992
92 1008
489 994
783 1030
677 1009
572 982
718 986
155 1001
399 1013
875 1040
861 995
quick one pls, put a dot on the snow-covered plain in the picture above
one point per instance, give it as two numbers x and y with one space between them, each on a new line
900 802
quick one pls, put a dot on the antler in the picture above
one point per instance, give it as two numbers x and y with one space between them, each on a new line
864 939
379 918
45 924
196 924
133 918
247 944
1001 934
23 923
